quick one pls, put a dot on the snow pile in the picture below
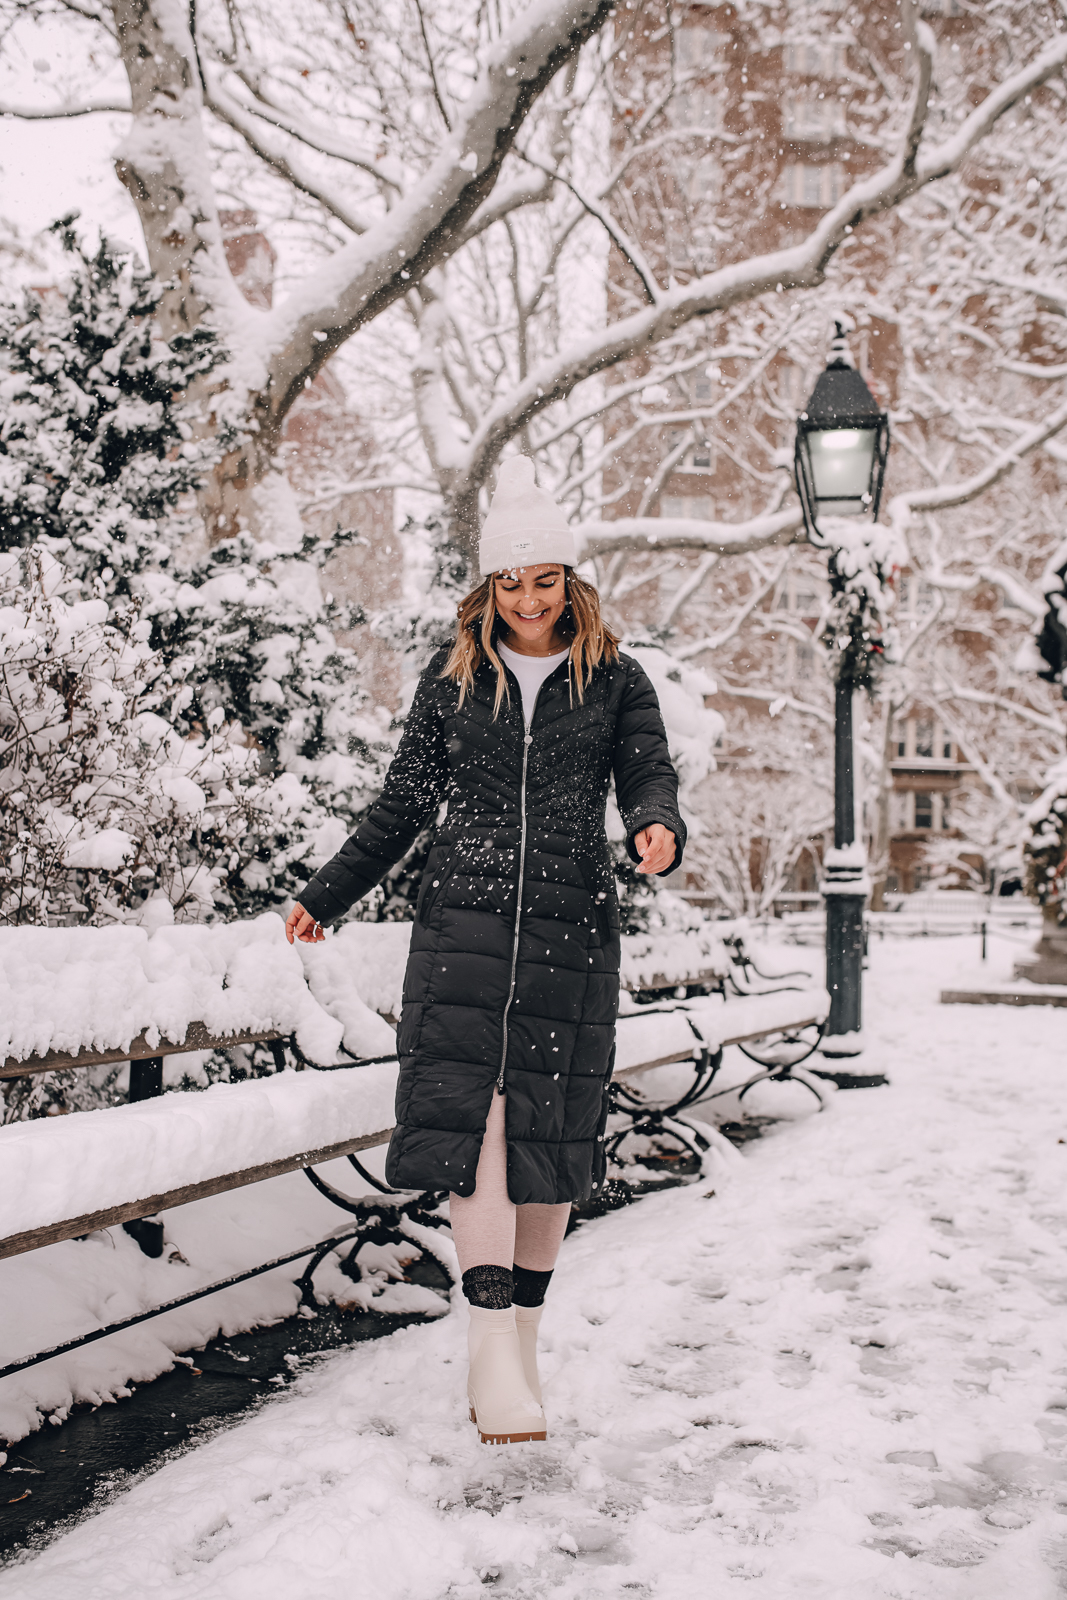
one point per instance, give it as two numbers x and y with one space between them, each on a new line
73 989
62 1167
368 957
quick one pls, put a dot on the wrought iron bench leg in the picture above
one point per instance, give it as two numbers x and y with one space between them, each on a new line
146 1082
389 1211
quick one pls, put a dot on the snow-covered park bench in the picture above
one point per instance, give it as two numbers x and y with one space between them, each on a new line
89 998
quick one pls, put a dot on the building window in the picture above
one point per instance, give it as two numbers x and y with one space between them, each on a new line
813 119
924 739
901 738
814 58
924 810
698 47
813 188
695 506
946 820
946 747
697 108
915 596
700 180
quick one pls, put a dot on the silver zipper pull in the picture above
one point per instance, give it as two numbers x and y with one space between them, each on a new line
528 739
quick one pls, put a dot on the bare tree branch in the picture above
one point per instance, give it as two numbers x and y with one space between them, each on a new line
55 113
689 533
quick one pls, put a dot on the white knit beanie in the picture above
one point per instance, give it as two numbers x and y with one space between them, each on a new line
525 527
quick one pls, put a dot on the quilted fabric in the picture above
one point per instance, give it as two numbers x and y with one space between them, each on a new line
549 1028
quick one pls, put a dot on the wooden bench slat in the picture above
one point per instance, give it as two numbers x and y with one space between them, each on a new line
197 1037
76 1227
687 1055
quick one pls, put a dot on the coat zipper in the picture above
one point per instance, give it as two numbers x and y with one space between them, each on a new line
526 743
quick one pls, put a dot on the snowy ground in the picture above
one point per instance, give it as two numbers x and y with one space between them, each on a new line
841 1375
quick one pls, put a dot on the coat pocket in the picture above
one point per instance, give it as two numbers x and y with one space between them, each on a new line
435 881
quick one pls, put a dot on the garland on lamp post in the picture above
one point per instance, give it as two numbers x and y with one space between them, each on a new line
857 628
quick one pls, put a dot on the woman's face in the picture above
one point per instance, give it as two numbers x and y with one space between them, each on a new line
530 602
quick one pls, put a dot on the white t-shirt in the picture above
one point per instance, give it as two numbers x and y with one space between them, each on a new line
531 672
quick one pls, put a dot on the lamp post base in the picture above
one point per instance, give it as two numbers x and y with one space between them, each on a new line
841 1045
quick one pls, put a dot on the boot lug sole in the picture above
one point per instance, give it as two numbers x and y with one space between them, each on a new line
510 1438
503 1438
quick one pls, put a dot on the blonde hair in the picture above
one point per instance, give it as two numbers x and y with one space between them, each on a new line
592 640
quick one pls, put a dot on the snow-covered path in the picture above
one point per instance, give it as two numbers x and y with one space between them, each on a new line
841 1375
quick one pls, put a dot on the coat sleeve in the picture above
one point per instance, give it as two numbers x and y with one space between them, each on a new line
415 785
646 784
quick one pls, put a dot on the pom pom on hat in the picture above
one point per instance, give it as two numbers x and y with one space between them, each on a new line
525 527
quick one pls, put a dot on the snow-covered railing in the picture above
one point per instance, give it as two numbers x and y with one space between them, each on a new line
926 917
74 997
78 997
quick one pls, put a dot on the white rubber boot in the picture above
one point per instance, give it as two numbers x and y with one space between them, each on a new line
502 1407
527 1322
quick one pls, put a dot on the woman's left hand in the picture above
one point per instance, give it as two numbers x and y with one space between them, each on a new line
656 845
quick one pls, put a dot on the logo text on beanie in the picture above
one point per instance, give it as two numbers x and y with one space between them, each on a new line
522 547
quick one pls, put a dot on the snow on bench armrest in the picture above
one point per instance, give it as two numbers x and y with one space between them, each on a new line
658 1036
362 962
62 1167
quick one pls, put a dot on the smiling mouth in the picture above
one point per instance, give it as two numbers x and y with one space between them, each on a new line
532 616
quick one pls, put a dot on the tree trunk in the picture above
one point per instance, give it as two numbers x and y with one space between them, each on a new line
464 525
163 155
164 163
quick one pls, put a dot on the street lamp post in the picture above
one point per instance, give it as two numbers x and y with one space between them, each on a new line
841 448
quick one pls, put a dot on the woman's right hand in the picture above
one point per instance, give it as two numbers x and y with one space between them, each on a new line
303 925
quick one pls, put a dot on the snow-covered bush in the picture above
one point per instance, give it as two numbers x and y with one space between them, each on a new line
103 802
1045 844
99 458
98 453
250 640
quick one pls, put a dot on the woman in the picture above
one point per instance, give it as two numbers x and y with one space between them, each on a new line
506 1040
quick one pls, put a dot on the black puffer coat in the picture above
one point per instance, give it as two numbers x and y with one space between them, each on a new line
500 988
